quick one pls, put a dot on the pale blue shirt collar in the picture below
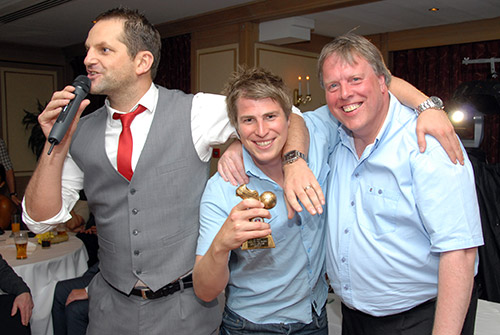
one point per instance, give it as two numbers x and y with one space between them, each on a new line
251 169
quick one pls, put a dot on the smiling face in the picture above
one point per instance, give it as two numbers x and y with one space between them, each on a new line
263 129
108 63
355 95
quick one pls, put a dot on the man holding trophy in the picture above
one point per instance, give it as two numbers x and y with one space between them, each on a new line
276 280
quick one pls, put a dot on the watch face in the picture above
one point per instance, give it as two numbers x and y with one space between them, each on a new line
437 102
290 155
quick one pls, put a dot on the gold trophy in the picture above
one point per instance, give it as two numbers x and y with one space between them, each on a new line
269 201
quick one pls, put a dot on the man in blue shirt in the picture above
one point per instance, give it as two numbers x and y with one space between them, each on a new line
282 289
403 225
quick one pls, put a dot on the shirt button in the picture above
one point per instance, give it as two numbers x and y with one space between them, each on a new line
138 272
132 191
136 252
346 231
135 232
346 287
356 175
352 203
379 191
135 211
343 259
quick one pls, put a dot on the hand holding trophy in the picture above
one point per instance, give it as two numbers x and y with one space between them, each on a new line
269 200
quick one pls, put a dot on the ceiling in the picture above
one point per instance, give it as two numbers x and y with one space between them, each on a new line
61 23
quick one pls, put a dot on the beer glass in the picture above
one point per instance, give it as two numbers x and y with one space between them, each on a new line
21 240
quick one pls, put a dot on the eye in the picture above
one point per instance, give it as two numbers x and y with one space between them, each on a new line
247 120
271 117
332 87
105 50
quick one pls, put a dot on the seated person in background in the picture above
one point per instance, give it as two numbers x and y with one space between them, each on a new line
82 222
15 306
7 207
10 178
79 216
70 309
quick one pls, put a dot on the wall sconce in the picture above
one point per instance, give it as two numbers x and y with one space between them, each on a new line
297 93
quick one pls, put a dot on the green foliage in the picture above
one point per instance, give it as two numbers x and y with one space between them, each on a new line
37 139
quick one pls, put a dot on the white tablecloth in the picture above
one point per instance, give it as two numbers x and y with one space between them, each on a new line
42 270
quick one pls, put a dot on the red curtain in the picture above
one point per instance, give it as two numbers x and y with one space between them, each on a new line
439 70
174 70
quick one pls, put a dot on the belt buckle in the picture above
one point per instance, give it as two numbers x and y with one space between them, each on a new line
143 293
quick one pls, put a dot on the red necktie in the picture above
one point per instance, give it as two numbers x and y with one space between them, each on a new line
125 144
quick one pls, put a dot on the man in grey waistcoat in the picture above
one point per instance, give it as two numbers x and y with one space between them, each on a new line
146 206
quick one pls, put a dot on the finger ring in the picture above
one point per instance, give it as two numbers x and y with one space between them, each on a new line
307 187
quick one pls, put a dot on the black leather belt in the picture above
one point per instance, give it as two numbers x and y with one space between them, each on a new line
171 288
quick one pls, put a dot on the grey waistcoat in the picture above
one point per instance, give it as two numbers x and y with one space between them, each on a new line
148 227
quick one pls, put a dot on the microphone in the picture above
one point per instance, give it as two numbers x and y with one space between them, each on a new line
82 88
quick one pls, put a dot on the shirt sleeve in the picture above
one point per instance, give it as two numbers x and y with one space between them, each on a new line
4 156
212 213
452 217
209 123
10 282
72 183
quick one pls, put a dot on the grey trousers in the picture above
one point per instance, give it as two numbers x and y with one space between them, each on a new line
181 313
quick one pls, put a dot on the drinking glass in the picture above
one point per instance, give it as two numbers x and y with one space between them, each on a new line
21 240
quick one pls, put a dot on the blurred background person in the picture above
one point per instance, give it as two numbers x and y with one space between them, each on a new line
15 306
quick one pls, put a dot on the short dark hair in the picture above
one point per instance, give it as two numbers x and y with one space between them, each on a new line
256 84
139 33
350 45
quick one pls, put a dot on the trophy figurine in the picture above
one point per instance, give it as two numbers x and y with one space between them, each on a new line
269 201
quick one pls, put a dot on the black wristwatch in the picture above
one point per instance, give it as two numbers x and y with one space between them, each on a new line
292 156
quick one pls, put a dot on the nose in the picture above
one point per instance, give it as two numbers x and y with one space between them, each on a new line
261 128
345 91
89 58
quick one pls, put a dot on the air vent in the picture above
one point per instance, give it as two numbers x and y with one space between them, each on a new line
37 8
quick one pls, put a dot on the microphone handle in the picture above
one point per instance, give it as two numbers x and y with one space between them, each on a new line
65 118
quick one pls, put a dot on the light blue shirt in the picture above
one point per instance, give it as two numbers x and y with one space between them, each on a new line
276 285
392 212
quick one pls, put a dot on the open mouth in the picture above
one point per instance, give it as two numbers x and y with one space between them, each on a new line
264 143
350 108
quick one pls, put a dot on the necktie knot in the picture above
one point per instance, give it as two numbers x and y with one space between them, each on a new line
127 119
125 142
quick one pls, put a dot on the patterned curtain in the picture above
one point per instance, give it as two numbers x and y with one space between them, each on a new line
174 71
439 70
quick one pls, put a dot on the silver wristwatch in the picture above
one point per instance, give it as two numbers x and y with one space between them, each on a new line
292 156
432 102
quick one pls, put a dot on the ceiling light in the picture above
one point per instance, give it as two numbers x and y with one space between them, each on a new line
433 9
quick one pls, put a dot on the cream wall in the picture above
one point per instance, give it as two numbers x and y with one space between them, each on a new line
290 64
215 64
213 67
22 88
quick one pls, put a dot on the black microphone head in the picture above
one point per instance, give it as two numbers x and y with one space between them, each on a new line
83 82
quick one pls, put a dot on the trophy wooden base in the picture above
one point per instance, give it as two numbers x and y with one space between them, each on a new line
259 243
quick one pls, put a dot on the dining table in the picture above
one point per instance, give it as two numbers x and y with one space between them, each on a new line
41 271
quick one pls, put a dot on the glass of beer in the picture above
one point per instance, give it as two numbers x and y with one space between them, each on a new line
61 229
21 240
15 223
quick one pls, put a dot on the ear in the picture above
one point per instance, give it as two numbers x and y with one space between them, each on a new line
143 62
383 86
